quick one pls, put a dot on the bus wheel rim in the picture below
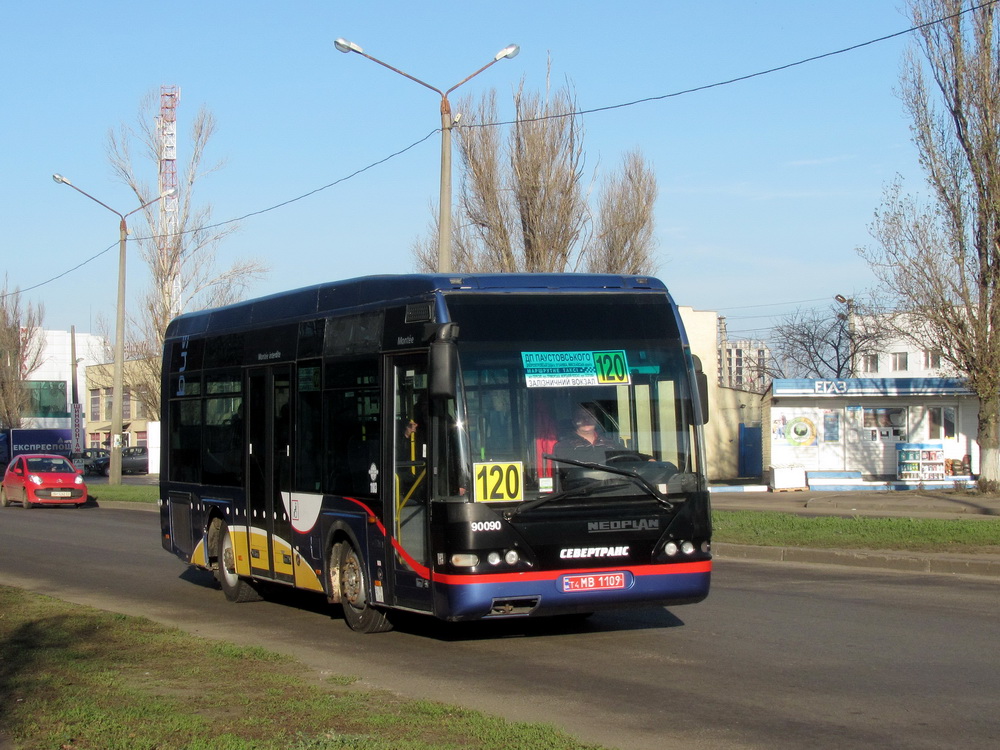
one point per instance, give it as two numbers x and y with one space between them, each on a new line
352 582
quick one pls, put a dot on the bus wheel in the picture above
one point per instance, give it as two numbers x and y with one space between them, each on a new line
235 588
354 588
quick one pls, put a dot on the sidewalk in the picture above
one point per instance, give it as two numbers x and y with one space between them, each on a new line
911 503
908 504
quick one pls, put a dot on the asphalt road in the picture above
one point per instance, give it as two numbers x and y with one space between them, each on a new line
779 656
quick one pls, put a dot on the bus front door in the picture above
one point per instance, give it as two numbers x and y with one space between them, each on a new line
410 490
268 474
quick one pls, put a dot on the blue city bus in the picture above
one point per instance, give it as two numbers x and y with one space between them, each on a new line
463 446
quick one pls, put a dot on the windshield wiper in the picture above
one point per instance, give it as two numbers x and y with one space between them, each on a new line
589 489
580 491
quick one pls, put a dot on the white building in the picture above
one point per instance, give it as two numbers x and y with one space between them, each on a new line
51 385
743 364
901 359
904 415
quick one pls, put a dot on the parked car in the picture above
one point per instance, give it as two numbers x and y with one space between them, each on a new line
42 479
89 456
135 460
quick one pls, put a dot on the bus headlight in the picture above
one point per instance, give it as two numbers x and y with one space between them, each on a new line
466 560
687 548
511 557
493 558
670 548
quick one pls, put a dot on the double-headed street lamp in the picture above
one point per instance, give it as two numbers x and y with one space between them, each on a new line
118 378
444 216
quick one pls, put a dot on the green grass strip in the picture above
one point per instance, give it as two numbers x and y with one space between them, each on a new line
83 679
129 493
909 534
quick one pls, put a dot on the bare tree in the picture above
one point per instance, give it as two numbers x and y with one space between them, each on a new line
183 269
523 201
623 241
939 256
828 343
20 353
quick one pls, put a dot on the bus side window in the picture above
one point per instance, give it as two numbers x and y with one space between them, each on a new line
352 435
309 443
222 436
185 441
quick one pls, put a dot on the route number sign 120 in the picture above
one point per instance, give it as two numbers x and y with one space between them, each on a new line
497 482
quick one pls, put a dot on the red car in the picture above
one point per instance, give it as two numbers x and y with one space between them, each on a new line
42 479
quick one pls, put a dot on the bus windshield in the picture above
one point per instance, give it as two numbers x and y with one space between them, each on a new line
574 402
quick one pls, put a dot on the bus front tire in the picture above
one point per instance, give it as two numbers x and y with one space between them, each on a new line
236 589
354 594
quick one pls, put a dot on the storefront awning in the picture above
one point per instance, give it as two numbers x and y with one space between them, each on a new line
870 387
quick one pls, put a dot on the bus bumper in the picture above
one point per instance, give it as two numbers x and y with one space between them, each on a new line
473 597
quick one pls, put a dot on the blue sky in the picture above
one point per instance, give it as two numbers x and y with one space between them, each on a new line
767 186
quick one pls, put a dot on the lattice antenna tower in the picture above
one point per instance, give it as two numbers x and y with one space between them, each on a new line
166 127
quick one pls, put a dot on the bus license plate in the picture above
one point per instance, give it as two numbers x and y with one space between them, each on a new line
595 582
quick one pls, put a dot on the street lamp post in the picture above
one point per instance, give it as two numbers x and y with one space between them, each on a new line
849 319
118 377
444 215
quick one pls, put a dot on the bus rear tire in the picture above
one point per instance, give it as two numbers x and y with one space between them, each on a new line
236 589
354 594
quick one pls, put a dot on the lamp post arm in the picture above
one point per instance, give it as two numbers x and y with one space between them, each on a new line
444 204
118 375
116 213
470 77
402 73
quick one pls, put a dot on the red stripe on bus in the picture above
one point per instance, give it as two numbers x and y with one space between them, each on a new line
423 571
704 566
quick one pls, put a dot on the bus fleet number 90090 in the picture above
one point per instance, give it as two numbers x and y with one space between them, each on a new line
485 525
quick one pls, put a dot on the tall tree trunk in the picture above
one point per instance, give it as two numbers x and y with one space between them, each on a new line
989 444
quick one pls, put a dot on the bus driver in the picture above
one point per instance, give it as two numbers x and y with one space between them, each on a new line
587 443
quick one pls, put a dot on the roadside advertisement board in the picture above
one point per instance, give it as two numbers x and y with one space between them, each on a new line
55 440
77 445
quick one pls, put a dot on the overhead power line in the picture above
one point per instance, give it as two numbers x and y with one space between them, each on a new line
775 304
594 110
758 74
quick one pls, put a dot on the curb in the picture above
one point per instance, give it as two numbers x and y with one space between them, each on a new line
124 505
907 562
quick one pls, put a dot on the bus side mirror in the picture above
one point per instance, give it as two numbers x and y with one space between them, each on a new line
443 364
701 381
